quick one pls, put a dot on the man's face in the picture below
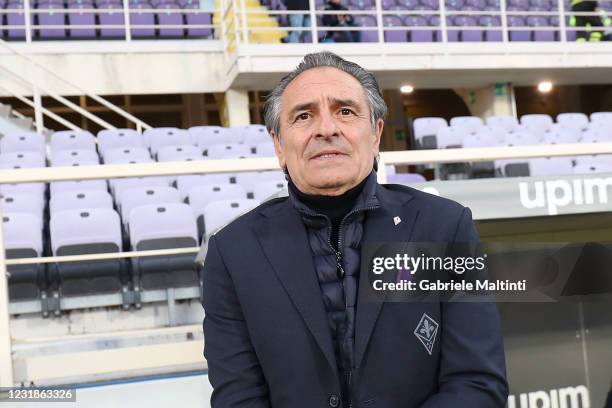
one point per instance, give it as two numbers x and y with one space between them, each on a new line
326 137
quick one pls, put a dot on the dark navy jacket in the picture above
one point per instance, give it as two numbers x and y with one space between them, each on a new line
267 339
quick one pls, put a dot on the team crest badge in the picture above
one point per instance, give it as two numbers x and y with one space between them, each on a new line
426 332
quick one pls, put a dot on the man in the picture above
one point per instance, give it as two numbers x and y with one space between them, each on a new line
339 20
298 20
587 22
286 321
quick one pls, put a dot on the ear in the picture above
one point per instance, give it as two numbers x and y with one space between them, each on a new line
377 136
278 148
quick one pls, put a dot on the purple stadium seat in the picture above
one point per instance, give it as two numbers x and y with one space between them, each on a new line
362 4
468 35
596 135
569 32
248 179
139 196
22 160
450 137
16 18
483 138
200 18
120 186
405 4
454 4
179 153
394 35
140 16
23 142
520 4
166 136
72 157
491 21
265 149
593 168
95 230
537 123
430 4
124 155
521 138
228 151
219 213
186 183
367 21
405 178
418 35
80 200
477 4
560 136
575 132
82 18
112 14
23 203
167 17
604 118
266 189
604 159
541 22
425 130
204 136
110 139
387 4
507 123
73 140
54 17
58 187
254 134
471 124
545 5
23 239
573 120
518 35
550 166
162 226
201 196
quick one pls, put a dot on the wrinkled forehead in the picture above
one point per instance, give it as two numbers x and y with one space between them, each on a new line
320 84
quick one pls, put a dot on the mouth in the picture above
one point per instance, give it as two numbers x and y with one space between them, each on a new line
328 154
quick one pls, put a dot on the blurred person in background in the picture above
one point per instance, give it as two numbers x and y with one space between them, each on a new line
298 20
339 20
588 22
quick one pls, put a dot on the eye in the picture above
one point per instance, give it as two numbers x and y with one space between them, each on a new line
303 116
346 111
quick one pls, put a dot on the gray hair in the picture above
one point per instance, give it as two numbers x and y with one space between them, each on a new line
376 103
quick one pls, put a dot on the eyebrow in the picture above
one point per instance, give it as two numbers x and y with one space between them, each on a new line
334 102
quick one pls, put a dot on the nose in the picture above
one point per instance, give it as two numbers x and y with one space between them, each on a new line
326 126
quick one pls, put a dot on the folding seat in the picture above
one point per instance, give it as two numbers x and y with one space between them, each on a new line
507 123
140 16
254 134
82 18
263 190
248 179
450 137
111 14
602 118
430 4
15 19
168 15
74 157
545 5
22 160
476 4
406 4
454 4
595 158
163 226
394 35
120 186
58 187
194 18
139 196
425 130
540 25
586 168
204 136
202 195
184 184
23 239
471 124
387 4
81 232
80 200
560 136
115 138
491 35
518 35
520 138
23 203
550 166
228 151
537 123
121 155
23 142
33 189
468 34
362 4
367 35
168 136
265 149
72 140
405 178
512 167
179 153
418 35
596 135
53 17
573 120
219 213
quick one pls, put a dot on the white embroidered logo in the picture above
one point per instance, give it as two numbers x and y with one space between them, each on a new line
397 220
426 332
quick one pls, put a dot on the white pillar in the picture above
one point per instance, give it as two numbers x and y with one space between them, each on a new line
492 100
237 107
6 358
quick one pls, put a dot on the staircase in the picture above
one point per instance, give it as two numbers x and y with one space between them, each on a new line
256 17
13 122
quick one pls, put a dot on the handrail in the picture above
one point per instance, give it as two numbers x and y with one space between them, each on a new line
140 125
